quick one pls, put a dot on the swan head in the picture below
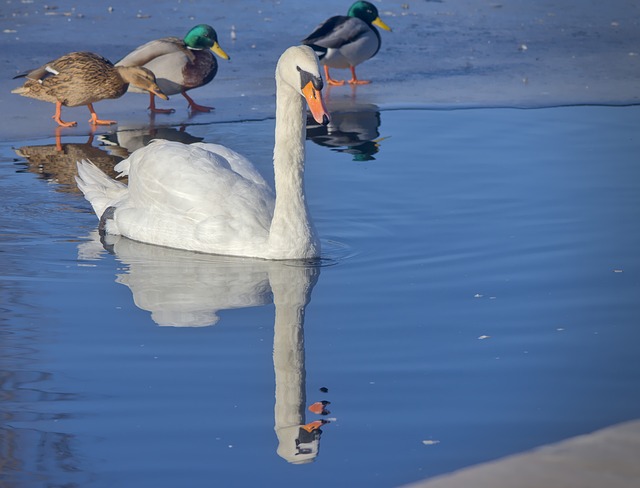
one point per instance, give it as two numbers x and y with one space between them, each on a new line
299 68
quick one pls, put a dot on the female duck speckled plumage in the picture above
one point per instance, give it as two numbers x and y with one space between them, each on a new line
346 41
82 78
179 64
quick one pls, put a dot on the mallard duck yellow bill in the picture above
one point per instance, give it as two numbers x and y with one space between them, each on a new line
316 103
381 24
219 51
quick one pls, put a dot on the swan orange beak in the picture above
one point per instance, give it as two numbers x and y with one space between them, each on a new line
316 103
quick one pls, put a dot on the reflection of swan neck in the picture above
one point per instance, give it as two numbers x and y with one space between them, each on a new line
291 230
291 287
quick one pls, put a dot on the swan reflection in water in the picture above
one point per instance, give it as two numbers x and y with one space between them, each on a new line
353 129
187 289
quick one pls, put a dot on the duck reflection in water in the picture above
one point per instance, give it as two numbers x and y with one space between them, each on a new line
56 162
187 289
132 138
353 129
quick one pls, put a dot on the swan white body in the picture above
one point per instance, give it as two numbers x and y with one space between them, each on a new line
208 198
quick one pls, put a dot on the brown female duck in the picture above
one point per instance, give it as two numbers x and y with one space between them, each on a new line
82 78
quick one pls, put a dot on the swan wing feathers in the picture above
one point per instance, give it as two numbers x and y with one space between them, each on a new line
100 190
237 163
190 196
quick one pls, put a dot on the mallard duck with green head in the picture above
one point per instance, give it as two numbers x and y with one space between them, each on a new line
179 64
83 78
346 41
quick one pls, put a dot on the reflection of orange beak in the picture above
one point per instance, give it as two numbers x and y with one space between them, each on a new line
316 104
311 426
319 408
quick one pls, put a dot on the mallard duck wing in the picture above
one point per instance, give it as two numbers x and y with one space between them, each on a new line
77 78
156 49
337 32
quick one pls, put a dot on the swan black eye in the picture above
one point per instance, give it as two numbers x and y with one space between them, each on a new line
306 77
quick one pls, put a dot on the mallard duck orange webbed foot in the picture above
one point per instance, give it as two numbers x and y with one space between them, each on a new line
331 81
94 120
354 79
154 110
62 123
194 106
57 118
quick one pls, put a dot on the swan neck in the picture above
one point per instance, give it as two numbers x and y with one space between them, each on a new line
291 235
289 150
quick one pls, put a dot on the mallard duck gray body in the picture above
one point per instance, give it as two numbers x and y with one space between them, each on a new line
346 41
179 64
82 78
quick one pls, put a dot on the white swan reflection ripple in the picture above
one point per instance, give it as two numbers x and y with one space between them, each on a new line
187 289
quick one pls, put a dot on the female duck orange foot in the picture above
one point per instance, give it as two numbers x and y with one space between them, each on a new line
94 120
57 118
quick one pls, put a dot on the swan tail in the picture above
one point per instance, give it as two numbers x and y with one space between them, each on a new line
99 189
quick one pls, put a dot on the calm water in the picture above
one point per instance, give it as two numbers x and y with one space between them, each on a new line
479 297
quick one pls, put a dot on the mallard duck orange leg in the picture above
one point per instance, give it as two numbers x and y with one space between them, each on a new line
330 80
57 118
354 79
152 106
94 120
194 106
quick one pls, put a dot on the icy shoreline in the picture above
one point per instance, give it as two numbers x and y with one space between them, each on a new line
441 54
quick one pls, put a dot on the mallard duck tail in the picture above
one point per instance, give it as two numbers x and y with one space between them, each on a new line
319 50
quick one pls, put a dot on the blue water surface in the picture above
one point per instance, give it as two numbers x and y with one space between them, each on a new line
478 297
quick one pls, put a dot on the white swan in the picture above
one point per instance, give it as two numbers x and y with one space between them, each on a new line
208 198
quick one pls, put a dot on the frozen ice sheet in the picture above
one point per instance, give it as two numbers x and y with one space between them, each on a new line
441 53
